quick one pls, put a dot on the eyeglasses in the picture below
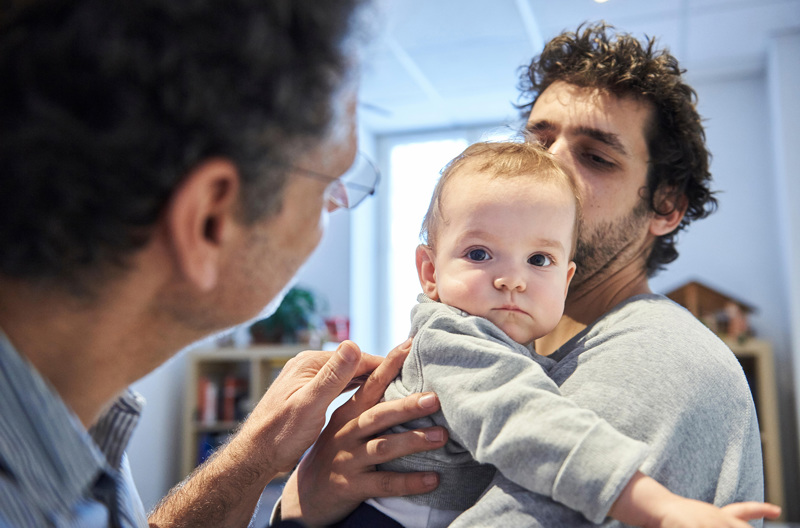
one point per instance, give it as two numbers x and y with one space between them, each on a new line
352 187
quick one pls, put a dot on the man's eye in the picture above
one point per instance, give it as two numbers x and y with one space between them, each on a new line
478 254
599 160
539 260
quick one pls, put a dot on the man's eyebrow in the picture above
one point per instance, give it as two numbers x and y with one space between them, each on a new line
609 138
539 126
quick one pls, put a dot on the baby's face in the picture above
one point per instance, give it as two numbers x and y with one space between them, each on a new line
502 251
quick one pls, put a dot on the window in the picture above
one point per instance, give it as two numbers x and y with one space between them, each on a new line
413 172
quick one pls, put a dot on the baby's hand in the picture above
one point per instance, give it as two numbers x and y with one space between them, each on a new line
686 513
645 502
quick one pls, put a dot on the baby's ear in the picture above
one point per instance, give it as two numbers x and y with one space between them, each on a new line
570 273
426 269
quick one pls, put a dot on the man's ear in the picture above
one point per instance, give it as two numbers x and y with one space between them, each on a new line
570 273
200 220
426 270
675 206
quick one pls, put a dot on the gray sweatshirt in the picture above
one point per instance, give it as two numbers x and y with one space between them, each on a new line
503 411
655 373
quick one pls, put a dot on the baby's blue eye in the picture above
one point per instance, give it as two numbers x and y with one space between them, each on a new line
478 254
539 260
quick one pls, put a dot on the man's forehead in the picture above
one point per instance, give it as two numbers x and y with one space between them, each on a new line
593 104
593 113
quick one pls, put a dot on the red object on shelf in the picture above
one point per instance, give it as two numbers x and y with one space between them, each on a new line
207 394
338 328
228 398
233 389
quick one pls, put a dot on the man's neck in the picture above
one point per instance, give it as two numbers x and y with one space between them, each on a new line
88 350
591 299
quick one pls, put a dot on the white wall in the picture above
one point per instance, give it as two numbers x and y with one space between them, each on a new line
736 249
740 248
363 264
784 78
154 450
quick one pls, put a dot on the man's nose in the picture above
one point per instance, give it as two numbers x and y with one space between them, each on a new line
560 149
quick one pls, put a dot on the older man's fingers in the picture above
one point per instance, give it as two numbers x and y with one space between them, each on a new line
372 390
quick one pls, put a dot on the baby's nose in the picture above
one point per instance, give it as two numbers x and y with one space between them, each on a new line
510 281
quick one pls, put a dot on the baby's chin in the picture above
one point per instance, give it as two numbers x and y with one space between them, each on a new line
523 339
522 334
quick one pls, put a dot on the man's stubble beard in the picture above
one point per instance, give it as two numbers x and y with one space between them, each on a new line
599 248
249 288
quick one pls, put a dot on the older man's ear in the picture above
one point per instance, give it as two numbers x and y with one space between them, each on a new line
200 219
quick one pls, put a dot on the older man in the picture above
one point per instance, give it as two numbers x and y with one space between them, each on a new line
166 167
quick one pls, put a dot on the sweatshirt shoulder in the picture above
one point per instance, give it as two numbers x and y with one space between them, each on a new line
655 327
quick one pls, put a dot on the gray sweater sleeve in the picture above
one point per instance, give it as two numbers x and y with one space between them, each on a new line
658 375
501 406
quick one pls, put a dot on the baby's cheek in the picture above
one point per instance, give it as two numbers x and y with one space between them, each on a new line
462 294
551 310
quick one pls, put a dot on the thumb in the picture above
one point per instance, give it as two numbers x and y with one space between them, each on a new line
336 373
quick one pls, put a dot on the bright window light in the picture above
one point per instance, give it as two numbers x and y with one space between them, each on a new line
413 173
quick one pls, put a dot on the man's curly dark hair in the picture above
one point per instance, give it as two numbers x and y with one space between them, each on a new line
106 105
596 56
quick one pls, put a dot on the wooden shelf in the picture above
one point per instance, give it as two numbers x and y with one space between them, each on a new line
255 367
758 364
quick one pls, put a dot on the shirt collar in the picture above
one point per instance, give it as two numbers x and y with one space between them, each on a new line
43 443
112 431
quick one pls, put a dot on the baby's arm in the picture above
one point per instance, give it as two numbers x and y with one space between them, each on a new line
645 502
503 408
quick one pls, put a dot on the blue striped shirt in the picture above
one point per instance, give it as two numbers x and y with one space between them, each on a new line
52 471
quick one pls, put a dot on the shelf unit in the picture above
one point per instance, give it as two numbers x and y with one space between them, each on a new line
254 368
755 356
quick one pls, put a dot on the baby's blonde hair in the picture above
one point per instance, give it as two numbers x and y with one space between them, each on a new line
501 159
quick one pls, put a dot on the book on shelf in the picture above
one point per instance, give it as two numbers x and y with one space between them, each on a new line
207 400
208 443
222 399
234 398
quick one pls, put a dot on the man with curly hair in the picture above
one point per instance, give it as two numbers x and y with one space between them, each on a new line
618 114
